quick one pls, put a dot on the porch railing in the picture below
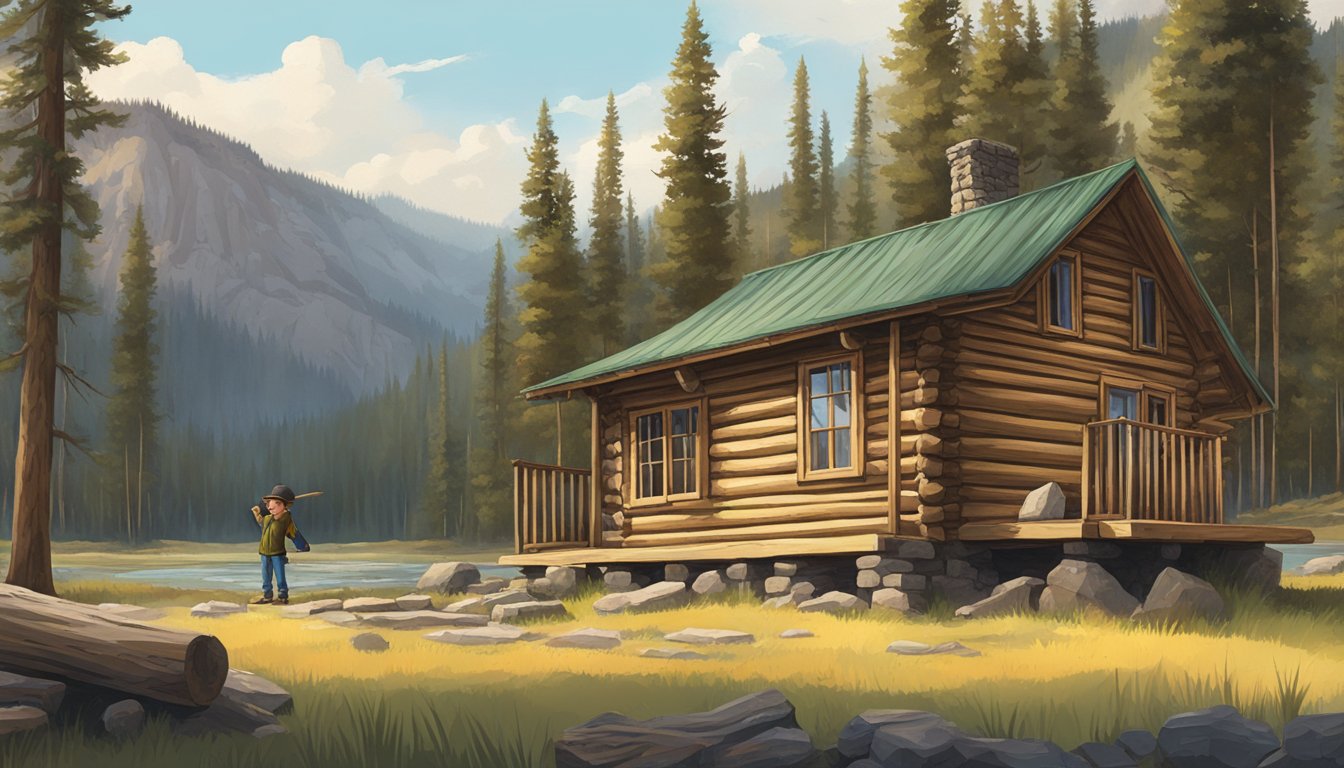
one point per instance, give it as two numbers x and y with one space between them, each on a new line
1139 471
550 506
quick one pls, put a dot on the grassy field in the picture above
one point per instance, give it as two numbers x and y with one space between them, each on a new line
1067 679
1324 515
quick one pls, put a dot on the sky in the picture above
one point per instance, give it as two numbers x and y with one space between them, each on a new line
436 101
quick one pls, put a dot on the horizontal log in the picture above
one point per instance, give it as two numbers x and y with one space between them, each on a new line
983 510
1022 451
748 533
765 408
1038 381
1030 404
784 442
1070 354
731 518
973 356
758 428
722 401
764 465
1016 475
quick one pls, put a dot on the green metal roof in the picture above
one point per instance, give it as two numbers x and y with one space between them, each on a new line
985 249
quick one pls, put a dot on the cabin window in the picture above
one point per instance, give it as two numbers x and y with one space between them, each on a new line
1061 297
1148 331
830 417
1123 398
668 453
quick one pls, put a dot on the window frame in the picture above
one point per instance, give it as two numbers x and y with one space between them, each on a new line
857 442
1146 391
1076 291
701 455
1136 317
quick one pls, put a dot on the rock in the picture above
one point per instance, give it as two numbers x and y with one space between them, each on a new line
958 591
404 620
446 578
546 609
856 738
709 583
20 690
488 603
1044 503
124 719
1218 737
738 572
488 586
21 719
911 648
256 690
476 605
899 600
777 585
1017 596
619 581
794 634
655 597
672 653
1323 566
884 566
786 569
906 582
696 636
132 612
915 550
560 582
802 589
1080 585
783 601
226 715
1314 741
676 572
1100 755
369 605
902 738
1138 744
1170 552
599 639
1257 567
371 642
212 609
775 748
415 603
339 618
1177 596
495 634
310 608
833 602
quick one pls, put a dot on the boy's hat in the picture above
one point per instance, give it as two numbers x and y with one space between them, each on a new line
282 492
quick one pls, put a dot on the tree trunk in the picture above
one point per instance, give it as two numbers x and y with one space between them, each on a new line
1257 422
1274 311
1339 465
30 551
45 636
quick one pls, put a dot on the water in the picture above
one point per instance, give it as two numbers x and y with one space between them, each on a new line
243 576
1295 555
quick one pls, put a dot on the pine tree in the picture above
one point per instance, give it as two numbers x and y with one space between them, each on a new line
694 216
926 63
52 45
802 205
1084 138
826 200
862 214
606 258
1129 142
436 516
641 291
495 411
741 217
543 158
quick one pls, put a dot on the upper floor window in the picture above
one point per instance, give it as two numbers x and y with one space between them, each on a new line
1148 331
668 453
830 419
1061 292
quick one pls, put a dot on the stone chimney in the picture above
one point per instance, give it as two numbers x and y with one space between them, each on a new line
983 172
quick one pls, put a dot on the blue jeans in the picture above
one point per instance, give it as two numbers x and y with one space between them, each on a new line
273 564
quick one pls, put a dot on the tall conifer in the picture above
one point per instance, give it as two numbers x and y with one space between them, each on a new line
439 499
1084 138
606 252
638 325
490 478
826 201
862 214
741 217
801 199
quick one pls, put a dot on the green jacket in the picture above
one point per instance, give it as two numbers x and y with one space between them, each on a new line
273 533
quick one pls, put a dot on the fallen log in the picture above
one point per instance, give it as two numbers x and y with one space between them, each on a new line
42 636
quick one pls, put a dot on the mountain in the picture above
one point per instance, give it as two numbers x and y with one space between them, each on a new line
471 235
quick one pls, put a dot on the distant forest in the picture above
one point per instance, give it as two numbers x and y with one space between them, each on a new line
428 456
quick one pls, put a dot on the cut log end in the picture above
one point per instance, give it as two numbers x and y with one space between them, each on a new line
206 668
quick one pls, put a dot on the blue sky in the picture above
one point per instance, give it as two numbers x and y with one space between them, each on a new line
435 101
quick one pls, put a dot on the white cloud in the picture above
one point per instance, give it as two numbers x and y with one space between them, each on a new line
756 87
596 108
318 115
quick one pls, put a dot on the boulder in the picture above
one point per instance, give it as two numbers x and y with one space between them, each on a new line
900 601
447 578
619 581
132 612
1218 737
415 603
912 648
488 586
1100 755
783 601
1044 503
213 609
676 572
915 550
709 583
1138 744
256 690
795 634
21 719
20 690
310 608
558 583
958 591
672 653
420 620
339 618
775 748
485 605
494 634
1257 567
1314 741
124 719
777 585
369 605
545 609
802 591
1020 595
1323 566
696 636
371 642
225 715
1177 596
597 639
1080 585
833 602
906 582
856 738
655 597
903 738
786 569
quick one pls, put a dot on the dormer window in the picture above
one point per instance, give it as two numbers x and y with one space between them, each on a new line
1061 297
1149 334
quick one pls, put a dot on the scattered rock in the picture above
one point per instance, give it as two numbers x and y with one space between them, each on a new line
709 583
783 601
598 639
899 600
415 603
1170 552
902 738
21 719
696 636
217 608
833 602
1077 584
738 572
1258 567
475 605
558 583
775 748
1139 744
676 572
802 591
1044 503
1176 596
256 690
672 653
1100 755
1017 596
907 582
786 569
546 609
371 642
310 608
20 690
495 634
959 591
124 719
488 586
912 648
369 605
794 634
132 612
1218 737
1323 566
856 738
777 585
226 715
655 597
1314 741
421 619
619 581
339 618
447 578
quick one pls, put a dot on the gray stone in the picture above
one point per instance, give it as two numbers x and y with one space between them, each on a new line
709 583
1176 596
1218 737
1044 503
21 719
20 690
900 601
786 569
774 748
960 569
867 562
655 597
310 608
889 565
1138 744
488 586
909 582
697 636
414 603
676 572
777 585
1170 551
476 604
559 583
619 581
214 609
495 634
251 688
339 618
783 601
132 612
1314 741
868 580
447 578
795 634
369 641
738 572
1323 566
672 653
802 589
369 605
958 592
124 719
1017 596
488 603
915 550
912 648
546 609
1100 755
225 715
407 620
597 639
856 738
1081 585
833 602
901 738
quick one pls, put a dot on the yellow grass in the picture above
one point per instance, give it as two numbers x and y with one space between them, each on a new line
1324 515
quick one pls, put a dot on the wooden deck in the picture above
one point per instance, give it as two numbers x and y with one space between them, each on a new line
728 550
1134 530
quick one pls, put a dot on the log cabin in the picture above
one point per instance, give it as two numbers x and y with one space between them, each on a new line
917 386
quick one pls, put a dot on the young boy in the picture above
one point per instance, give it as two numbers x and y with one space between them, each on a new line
275 526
